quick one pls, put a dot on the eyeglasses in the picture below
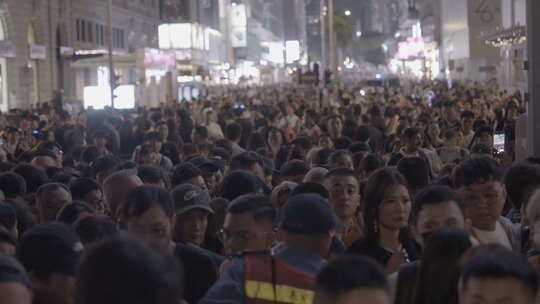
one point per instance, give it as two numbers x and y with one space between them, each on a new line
239 235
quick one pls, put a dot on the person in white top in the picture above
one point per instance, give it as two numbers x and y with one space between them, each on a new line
479 181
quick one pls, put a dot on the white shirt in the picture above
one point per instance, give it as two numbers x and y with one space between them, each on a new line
493 237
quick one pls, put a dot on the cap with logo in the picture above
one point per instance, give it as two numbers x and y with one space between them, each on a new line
308 214
50 248
188 197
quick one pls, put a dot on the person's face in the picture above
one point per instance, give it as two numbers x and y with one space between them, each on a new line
459 139
486 138
468 123
50 202
191 226
395 208
14 137
163 131
101 142
413 143
433 217
95 199
198 181
344 195
335 126
241 232
450 113
370 295
274 137
209 179
15 293
484 203
155 144
154 226
325 142
494 291
434 131
344 161
7 249
258 171
149 159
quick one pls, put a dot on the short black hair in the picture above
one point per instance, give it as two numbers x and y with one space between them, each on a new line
359 147
12 184
103 163
467 114
183 173
8 216
233 131
151 174
410 132
500 264
341 172
34 176
45 153
294 167
112 269
70 212
201 131
90 154
238 183
476 170
415 170
140 199
363 133
371 162
260 205
95 228
152 136
332 159
520 180
315 188
435 195
245 161
342 143
82 186
347 273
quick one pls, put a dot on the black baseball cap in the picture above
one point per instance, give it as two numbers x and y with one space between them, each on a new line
49 248
201 161
308 214
188 197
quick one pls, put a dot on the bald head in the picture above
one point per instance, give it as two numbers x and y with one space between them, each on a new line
117 187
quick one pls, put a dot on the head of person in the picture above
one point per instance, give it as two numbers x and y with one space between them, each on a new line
416 173
370 163
249 224
71 213
101 139
117 187
467 120
334 126
412 140
281 193
313 188
315 175
192 205
341 159
481 150
34 176
54 147
294 171
94 229
250 162
147 156
163 131
434 208
531 217
13 185
233 132
520 180
387 203
200 134
50 253
102 167
308 222
50 198
15 285
440 265
13 135
45 159
494 275
344 190
113 270
433 131
239 183
88 191
153 140
449 111
152 175
325 141
187 173
299 148
363 133
209 171
484 135
347 279
148 213
479 181
275 137
451 138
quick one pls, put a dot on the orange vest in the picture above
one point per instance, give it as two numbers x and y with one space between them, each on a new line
269 280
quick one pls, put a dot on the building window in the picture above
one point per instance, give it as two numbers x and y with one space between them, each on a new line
118 38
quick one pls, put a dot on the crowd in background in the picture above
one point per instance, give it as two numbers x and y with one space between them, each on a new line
404 194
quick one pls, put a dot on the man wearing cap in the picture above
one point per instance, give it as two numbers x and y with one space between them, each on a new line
209 169
286 275
50 253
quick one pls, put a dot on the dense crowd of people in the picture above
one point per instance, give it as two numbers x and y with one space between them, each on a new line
380 195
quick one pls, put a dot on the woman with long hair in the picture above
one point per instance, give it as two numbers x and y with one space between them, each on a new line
387 207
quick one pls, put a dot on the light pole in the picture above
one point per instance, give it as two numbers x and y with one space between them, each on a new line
323 39
110 45
331 35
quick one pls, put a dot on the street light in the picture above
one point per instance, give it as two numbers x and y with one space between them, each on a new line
358 34
347 13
